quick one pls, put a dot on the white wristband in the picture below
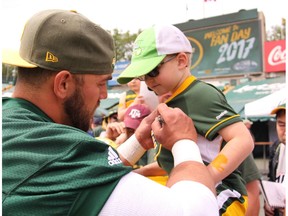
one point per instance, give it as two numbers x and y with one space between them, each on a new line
186 150
131 150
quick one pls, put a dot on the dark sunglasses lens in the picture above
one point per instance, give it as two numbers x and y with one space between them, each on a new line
153 73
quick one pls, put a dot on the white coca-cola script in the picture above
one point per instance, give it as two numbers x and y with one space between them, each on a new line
277 56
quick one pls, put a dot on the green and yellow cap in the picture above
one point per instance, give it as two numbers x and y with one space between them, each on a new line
150 48
277 109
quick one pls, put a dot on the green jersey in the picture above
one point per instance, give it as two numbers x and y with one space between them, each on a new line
53 169
208 108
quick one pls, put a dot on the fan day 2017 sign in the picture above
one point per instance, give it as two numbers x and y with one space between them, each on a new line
228 45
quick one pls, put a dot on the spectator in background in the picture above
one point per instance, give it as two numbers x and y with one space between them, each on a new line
277 157
96 126
110 118
130 97
118 132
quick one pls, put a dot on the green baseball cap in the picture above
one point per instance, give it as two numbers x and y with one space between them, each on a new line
65 40
150 48
277 109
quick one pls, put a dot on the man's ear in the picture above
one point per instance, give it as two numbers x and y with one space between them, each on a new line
63 84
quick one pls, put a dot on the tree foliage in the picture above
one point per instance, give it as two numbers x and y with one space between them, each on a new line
277 32
124 44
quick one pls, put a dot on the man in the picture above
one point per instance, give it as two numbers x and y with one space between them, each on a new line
277 161
52 166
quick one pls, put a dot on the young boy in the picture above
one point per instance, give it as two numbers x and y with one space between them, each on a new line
162 58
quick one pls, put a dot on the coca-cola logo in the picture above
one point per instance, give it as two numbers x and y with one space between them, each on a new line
277 56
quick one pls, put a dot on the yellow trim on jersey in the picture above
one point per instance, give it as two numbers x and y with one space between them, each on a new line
128 103
159 150
131 96
129 99
159 179
237 208
234 116
182 87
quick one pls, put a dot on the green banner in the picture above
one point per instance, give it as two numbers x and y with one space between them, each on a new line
226 50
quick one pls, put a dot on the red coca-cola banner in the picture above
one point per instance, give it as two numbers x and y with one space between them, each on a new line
275 56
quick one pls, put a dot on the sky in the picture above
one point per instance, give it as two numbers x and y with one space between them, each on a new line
132 15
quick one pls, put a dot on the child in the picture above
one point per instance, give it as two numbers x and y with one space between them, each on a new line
130 97
162 58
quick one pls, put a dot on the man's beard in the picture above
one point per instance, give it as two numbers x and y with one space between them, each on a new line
74 107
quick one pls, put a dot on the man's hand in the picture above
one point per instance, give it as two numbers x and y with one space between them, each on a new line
143 132
176 126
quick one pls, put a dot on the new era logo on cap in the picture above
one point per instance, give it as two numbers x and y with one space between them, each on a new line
50 57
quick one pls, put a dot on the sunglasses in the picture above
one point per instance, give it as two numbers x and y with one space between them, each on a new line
155 72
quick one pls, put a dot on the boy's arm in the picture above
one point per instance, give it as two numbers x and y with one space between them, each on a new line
239 145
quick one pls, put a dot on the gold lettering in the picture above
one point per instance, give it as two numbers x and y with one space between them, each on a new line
218 40
241 34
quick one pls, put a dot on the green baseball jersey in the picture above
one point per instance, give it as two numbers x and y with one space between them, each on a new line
53 169
208 108
130 97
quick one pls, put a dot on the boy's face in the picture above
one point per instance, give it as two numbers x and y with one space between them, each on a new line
170 76
281 126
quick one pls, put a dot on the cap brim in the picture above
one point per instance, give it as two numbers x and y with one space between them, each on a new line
274 111
133 124
139 68
12 57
